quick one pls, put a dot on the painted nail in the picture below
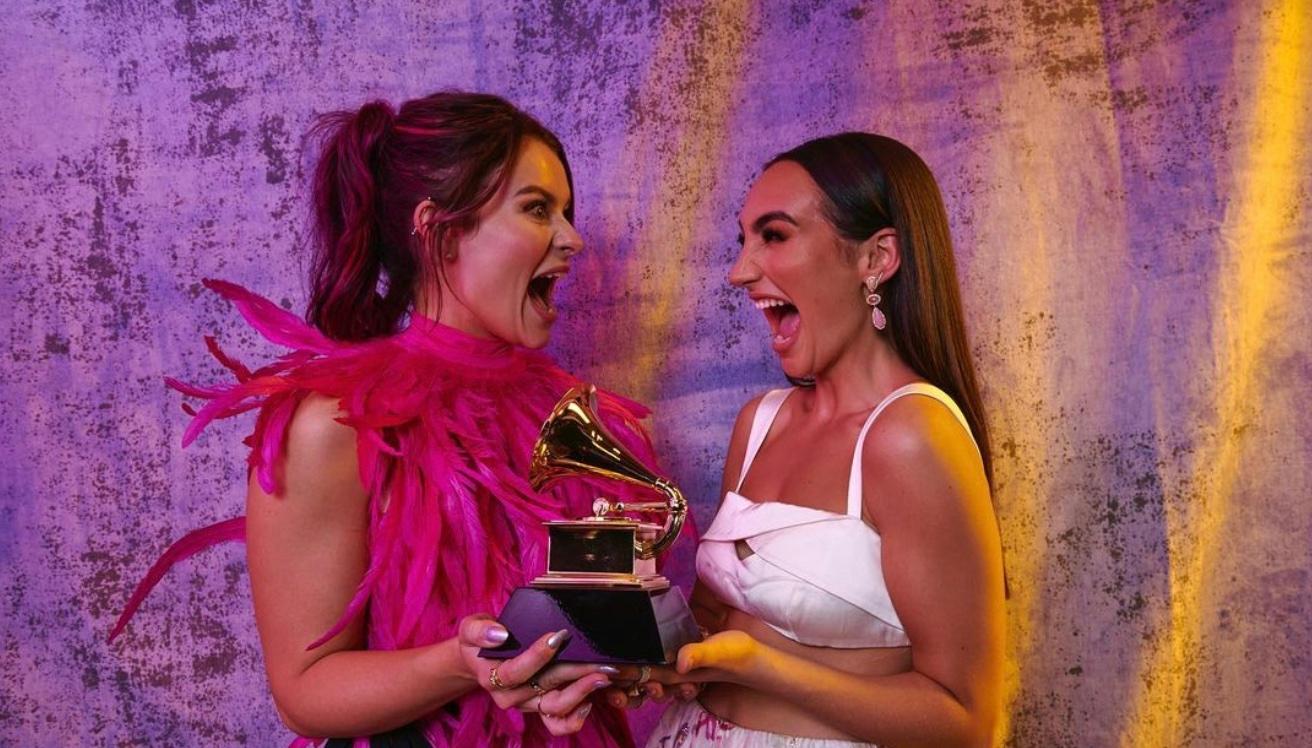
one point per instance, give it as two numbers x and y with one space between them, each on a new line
583 710
600 685
558 639
496 634
608 670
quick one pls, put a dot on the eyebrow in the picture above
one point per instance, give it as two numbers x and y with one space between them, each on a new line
764 218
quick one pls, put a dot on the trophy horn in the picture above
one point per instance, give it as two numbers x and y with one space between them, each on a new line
573 442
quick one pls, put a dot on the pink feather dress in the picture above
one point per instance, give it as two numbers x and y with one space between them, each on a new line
445 425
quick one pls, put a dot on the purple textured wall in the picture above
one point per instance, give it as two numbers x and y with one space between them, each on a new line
1129 189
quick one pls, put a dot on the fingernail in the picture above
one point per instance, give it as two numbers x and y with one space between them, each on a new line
608 670
558 639
583 710
600 685
496 634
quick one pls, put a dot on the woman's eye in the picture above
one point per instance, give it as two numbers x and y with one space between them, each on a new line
770 236
538 209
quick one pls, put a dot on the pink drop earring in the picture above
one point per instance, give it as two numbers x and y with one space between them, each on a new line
877 317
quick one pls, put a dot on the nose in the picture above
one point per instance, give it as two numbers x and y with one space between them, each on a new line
568 240
744 270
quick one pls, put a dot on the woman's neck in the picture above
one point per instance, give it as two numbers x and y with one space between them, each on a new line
447 310
860 376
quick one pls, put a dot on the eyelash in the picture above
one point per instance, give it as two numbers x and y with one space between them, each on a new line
769 236
537 209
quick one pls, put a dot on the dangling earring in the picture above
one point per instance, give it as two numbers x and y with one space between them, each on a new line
877 317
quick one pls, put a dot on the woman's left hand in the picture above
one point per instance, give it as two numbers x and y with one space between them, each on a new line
564 709
529 682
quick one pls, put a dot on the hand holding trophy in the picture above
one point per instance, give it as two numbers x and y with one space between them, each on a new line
601 582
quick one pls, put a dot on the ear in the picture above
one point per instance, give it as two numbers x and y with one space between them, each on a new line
880 255
424 220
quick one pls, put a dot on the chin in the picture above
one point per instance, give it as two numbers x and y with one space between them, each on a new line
792 371
535 340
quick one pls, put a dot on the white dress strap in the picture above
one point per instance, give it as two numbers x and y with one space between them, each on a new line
915 388
766 410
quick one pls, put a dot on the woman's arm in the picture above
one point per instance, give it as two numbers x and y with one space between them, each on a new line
307 552
926 492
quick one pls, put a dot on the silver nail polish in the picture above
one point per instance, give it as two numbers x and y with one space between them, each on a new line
608 670
558 639
496 635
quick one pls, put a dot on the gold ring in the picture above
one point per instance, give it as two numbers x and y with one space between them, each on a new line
537 688
644 674
495 679
635 692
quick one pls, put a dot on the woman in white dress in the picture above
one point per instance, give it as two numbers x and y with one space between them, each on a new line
852 581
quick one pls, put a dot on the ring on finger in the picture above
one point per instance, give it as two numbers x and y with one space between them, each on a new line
644 674
495 680
635 691
537 687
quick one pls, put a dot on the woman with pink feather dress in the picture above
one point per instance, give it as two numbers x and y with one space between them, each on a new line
388 509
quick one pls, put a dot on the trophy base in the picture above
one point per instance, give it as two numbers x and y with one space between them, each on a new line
648 582
612 625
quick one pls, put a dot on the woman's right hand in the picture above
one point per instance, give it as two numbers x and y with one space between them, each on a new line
529 682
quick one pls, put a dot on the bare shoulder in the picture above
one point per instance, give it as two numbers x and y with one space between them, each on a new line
320 464
743 423
920 458
742 429
316 430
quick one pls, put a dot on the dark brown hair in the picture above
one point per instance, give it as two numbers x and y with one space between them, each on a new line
872 182
375 166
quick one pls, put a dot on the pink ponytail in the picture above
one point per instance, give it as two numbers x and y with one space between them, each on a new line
345 302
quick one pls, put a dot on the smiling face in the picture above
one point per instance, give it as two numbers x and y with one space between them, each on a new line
501 276
799 271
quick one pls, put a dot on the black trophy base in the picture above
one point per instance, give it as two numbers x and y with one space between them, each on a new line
616 626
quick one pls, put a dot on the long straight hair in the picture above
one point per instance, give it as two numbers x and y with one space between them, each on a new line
873 182
375 166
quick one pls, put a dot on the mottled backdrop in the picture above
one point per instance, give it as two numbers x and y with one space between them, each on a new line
1128 183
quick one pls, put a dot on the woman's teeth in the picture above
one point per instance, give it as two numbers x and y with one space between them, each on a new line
540 289
783 319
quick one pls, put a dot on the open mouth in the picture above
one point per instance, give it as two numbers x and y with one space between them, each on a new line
784 321
540 290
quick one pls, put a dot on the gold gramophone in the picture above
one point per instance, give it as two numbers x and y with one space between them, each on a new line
601 581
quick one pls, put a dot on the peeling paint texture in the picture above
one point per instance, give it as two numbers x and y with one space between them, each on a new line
1129 187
